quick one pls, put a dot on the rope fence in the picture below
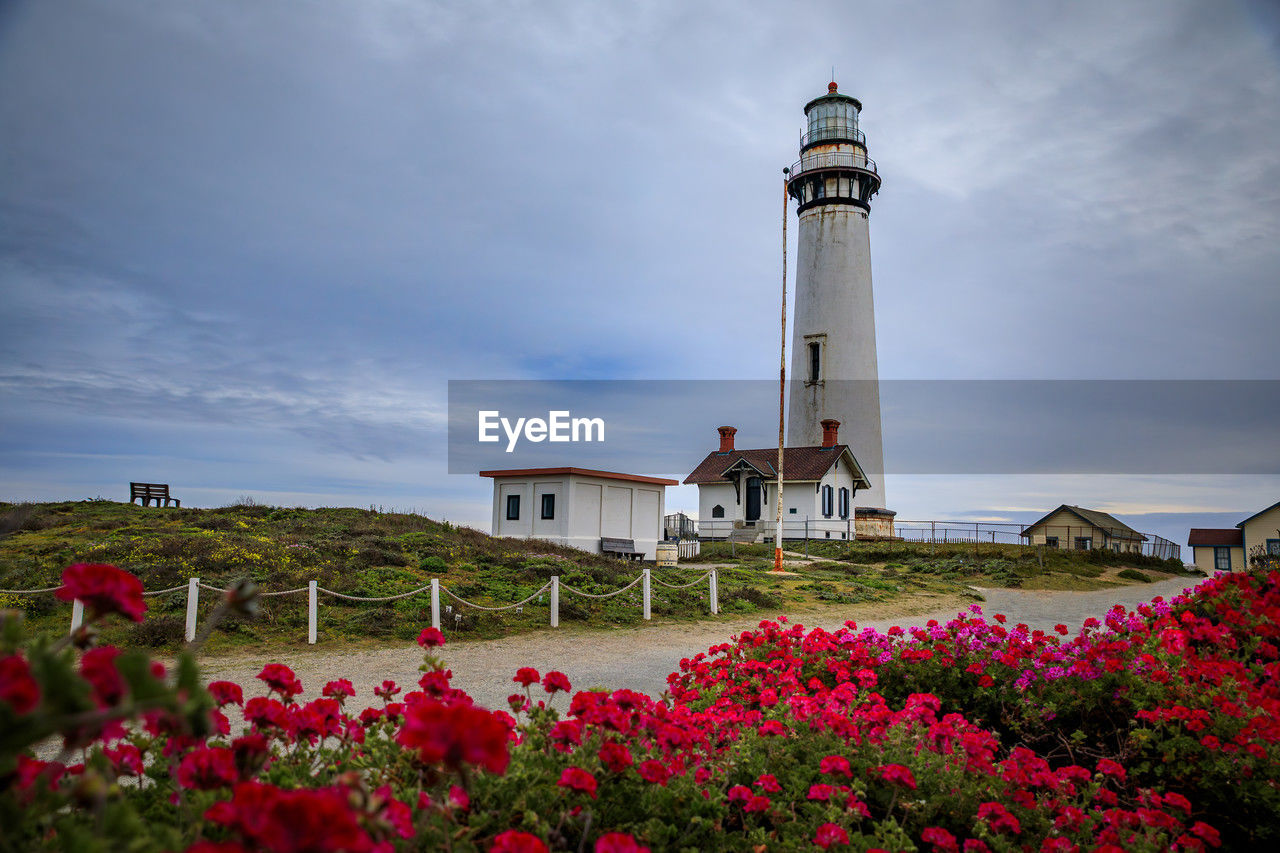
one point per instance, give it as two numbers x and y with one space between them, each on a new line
312 589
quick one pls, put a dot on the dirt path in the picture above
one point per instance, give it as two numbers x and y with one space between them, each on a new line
640 658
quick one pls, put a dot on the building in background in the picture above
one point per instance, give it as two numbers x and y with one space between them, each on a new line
737 497
834 373
1217 550
1080 529
1232 549
579 506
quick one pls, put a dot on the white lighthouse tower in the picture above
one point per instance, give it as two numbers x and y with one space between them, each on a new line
833 367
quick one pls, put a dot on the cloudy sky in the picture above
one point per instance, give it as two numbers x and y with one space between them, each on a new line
244 244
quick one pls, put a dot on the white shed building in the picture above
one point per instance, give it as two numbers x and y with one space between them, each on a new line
578 506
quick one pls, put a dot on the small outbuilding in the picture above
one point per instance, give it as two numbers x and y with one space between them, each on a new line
1217 549
1079 529
1230 549
579 506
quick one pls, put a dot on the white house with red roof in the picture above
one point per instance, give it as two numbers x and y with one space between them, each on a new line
579 506
737 491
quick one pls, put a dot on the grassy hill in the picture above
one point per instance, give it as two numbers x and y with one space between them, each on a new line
371 553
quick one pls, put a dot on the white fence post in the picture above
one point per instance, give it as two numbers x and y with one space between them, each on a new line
555 601
715 593
435 603
193 607
311 612
647 611
77 614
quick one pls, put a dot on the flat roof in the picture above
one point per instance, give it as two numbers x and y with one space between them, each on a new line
585 472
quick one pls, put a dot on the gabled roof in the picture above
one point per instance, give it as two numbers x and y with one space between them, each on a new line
798 463
1114 527
1209 537
1256 514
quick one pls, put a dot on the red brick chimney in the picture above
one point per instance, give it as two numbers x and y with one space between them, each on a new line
726 438
830 432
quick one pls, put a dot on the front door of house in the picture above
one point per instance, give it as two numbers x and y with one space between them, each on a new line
753 499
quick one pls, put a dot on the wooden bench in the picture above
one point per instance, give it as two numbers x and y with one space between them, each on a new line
152 492
623 549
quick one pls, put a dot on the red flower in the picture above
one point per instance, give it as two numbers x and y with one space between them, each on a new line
942 840
430 638
821 792
261 712
340 689
999 818
302 821
577 779
103 589
17 687
618 842
615 756
458 798
251 753
207 768
387 691
515 841
896 774
1207 832
126 760
757 803
454 735
280 678
829 834
654 772
835 764
226 693
554 681
526 675
1107 767
98 667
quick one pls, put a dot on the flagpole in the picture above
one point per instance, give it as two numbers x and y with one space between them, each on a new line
782 380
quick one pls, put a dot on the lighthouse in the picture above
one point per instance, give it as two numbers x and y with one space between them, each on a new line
833 364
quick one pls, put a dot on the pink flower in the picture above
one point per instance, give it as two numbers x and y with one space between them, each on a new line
821 792
387 691
942 840
577 779
999 818
896 774
1107 767
340 689
103 589
830 834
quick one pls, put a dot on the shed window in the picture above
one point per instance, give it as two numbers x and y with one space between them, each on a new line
717 511
1051 541
1222 559
827 493
548 506
513 507
844 502
1084 543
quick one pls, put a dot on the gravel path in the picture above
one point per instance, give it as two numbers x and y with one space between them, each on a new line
640 658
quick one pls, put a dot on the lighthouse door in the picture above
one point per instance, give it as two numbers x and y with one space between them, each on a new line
753 499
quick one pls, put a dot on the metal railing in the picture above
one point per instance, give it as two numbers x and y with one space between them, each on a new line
313 589
843 132
833 160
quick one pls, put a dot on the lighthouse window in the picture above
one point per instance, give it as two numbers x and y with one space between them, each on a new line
815 361
844 502
826 501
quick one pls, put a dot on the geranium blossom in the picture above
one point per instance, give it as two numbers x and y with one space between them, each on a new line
103 589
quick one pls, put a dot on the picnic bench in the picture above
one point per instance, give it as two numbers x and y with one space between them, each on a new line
623 549
152 492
